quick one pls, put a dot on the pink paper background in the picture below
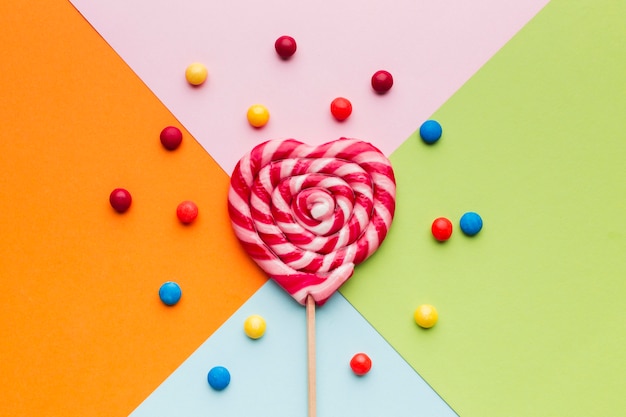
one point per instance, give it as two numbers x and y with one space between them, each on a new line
430 47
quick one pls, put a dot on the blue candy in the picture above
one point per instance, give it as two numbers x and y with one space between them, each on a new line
471 223
170 293
430 131
218 378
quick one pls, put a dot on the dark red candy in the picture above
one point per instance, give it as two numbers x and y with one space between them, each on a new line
120 199
382 81
171 137
285 46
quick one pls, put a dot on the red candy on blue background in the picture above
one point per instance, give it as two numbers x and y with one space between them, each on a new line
360 364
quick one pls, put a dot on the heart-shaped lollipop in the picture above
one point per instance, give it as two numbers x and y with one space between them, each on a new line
308 214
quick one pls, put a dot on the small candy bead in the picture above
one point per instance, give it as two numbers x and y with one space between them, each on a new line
430 131
341 108
196 74
218 378
187 211
285 46
258 115
171 137
170 293
360 364
426 316
254 326
120 200
441 229
471 223
382 81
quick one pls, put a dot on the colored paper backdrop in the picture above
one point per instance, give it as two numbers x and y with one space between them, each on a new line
531 309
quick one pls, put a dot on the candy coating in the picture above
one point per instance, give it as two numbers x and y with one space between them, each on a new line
196 74
171 137
382 81
187 211
170 293
426 316
258 115
341 108
430 131
360 364
471 223
441 229
120 199
218 378
285 46
254 326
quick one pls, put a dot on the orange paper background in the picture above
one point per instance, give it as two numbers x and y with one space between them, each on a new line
82 329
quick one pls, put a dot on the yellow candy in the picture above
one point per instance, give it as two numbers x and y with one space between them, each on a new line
258 115
426 316
196 73
254 326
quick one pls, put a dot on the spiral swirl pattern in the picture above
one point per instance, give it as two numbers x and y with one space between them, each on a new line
308 214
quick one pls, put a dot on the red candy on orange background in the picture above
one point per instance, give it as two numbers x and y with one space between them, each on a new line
171 137
120 200
187 211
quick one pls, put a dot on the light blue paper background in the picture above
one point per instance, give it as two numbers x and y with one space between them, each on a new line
268 375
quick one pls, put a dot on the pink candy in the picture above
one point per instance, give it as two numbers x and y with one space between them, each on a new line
308 214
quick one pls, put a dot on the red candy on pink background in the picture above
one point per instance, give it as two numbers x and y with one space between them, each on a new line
382 81
285 46
341 108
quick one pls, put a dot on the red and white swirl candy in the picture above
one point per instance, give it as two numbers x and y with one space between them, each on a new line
308 214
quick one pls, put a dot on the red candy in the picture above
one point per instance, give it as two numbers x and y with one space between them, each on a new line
187 211
361 364
120 200
341 108
285 46
382 81
442 229
171 137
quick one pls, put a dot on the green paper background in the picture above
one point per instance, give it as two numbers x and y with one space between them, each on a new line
532 317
